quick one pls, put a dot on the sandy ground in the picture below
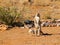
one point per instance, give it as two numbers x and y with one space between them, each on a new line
20 36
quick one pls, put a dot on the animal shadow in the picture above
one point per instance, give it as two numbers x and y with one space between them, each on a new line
46 34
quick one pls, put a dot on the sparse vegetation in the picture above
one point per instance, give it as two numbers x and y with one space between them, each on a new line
9 16
47 17
54 21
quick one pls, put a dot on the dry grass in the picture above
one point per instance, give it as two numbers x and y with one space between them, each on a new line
39 5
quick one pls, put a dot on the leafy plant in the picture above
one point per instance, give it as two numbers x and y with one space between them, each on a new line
9 16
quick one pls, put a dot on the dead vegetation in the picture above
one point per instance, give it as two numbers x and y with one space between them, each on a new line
3 27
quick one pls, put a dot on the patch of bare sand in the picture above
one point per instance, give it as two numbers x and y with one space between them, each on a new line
19 36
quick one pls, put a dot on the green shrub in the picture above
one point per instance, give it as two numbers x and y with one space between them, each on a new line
9 16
